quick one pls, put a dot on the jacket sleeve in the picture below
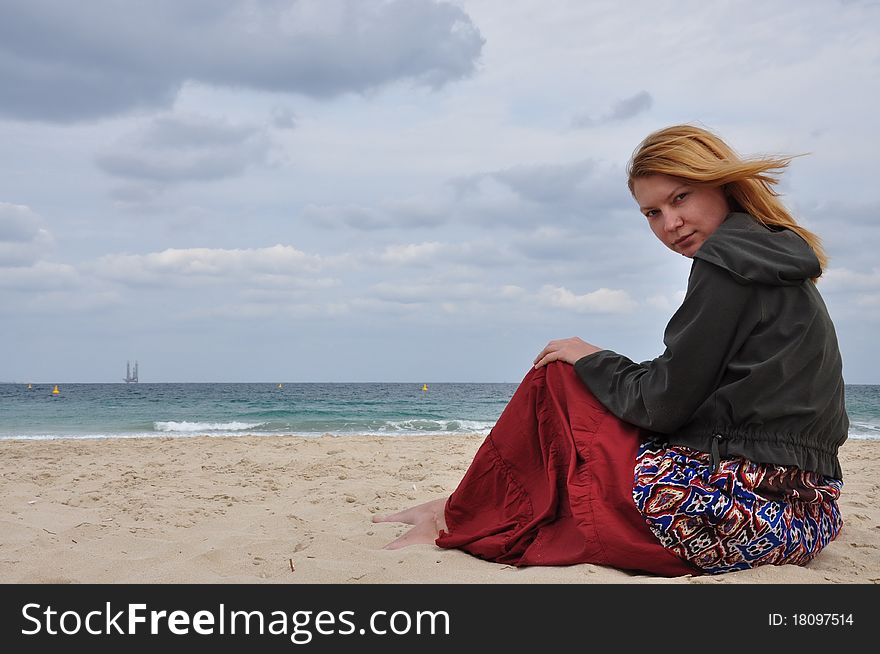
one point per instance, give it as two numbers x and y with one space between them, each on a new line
661 395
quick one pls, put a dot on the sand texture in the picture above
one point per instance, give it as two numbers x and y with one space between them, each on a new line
287 509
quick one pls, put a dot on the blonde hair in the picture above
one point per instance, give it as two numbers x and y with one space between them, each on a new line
697 155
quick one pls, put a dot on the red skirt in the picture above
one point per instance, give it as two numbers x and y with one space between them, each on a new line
552 485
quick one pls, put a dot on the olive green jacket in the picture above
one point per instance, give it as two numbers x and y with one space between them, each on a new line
752 366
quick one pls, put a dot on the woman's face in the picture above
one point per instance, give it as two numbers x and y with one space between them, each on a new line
680 214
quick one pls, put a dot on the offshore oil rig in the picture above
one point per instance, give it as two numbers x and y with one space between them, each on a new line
131 376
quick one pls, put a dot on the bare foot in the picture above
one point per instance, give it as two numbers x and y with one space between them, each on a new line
424 533
414 514
427 520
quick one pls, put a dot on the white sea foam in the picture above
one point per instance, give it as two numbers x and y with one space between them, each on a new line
864 430
422 426
78 437
189 427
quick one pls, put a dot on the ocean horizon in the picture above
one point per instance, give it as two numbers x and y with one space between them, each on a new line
171 409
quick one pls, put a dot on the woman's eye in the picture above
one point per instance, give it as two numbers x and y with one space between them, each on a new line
650 213
680 197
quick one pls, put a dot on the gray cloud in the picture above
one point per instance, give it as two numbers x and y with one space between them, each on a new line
448 296
527 196
391 215
63 61
550 244
520 197
23 239
444 258
622 110
572 185
42 276
559 210
18 224
283 118
272 266
353 216
845 229
430 292
175 148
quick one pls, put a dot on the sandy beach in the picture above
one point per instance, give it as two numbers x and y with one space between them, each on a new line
287 509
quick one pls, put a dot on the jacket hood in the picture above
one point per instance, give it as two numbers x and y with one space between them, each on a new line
756 253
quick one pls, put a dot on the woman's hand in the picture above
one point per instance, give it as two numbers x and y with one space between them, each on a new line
566 349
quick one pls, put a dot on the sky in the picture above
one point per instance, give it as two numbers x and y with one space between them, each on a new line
401 191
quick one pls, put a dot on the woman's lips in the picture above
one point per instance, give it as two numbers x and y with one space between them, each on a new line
683 239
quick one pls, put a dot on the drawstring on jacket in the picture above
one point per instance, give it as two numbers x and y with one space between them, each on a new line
716 446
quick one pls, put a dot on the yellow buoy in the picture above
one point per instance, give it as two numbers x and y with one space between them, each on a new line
280 385
55 390
424 387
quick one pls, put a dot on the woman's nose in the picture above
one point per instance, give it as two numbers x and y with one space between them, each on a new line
673 221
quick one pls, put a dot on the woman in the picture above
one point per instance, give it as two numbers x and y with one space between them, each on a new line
720 454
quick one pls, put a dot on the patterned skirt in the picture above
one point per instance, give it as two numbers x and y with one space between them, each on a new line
737 516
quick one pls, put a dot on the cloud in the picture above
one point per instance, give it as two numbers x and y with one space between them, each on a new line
23 239
273 266
523 196
488 298
411 253
18 224
260 311
447 259
389 215
430 292
870 301
846 280
63 61
622 110
284 118
845 227
551 184
177 148
350 215
666 303
855 294
528 195
41 276
416 212
603 300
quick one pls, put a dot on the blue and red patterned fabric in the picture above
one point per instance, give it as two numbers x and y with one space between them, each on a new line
737 515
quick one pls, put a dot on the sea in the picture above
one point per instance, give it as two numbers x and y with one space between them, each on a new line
143 410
